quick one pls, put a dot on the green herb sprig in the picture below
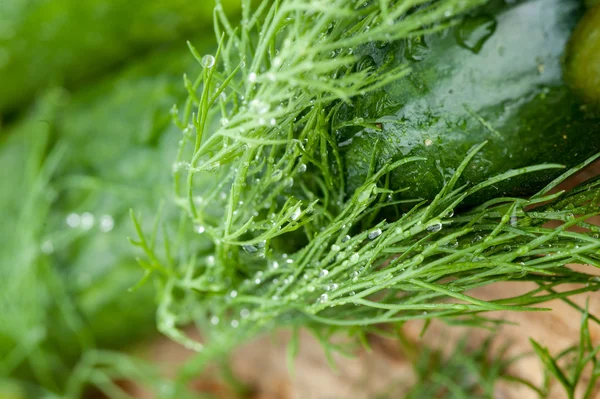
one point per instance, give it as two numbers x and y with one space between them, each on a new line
269 238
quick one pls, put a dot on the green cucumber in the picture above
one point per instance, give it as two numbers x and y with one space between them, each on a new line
496 77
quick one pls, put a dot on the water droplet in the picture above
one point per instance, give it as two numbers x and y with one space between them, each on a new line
323 273
208 61
346 238
107 223
252 77
302 168
276 176
365 194
374 234
473 32
233 294
244 313
323 298
354 258
199 229
73 220
310 288
235 323
296 214
224 121
213 167
47 247
288 182
275 265
214 320
335 248
251 249
434 227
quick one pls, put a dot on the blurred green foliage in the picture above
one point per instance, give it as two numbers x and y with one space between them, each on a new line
87 156
69 42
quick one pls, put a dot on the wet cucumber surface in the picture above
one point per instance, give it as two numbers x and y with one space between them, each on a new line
497 77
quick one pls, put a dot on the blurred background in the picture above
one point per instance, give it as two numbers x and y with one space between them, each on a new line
85 134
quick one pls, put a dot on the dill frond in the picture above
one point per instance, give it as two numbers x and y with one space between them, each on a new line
269 237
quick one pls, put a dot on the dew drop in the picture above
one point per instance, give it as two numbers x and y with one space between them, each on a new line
214 320
252 77
323 273
374 234
335 248
47 247
434 227
323 298
296 214
233 294
354 257
208 61
235 323
213 167
73 220
107 223
288 182
302 168
277 175
200 229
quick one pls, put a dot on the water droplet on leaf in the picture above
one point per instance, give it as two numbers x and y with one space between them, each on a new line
208 61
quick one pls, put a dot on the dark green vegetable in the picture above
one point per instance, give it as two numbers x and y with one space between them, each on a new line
496 77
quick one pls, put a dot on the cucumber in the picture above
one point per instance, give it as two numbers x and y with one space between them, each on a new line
496 77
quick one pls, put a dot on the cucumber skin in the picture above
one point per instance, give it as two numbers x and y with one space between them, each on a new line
515 83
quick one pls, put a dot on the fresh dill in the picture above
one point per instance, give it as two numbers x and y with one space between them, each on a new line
260 181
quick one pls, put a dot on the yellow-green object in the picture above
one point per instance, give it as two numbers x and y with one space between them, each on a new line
71 41
582 66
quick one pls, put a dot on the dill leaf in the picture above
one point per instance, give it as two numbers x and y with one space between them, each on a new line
258 175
